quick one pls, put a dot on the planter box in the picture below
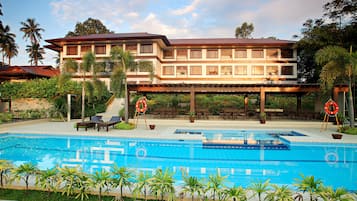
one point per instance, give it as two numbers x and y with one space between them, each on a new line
336 136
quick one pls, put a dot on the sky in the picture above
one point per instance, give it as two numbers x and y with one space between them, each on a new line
173 18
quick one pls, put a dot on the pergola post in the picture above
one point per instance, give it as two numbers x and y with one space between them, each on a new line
298 103
192 99
262 99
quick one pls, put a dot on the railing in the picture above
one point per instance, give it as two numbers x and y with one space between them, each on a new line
111 99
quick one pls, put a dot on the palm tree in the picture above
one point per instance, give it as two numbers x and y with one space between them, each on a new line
68 177
48 180
125 60
309 184
340 194
88 63
100 180
280 193
192 185
70 66
35 53
11 51
31 30
338 63
7 39
5 169
121 177
142 183
237 193
216 183
162 183
259 188
24 172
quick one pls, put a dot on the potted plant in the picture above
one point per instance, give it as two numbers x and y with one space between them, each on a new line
262 117
336 136
192 116
152 126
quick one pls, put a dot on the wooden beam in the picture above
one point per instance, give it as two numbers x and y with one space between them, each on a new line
262 99
192 99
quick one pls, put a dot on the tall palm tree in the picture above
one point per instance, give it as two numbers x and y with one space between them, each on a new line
87 65
31 30
35 52
309 184
126 61
24 172
259 188
7 39
5 169
121 177
11 50
338 63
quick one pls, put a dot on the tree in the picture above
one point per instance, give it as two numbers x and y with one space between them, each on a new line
191 185
244 31
280 193
216 183
88 63
35 52
142 184
11 51
259 188
237 193
162 183
31 30
48 180
309 184
340 194
339 9
90 26
5 169
121 177
70 66
100 180
338 63
7 39
24 171
123 60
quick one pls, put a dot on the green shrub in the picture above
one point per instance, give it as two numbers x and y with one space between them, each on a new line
5 117
124 126
348 130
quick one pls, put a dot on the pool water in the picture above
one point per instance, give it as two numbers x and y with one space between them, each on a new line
335 164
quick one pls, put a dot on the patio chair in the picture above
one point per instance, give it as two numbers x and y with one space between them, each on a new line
93 121
114 120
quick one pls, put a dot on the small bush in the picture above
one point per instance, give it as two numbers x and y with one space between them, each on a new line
124 126
348 130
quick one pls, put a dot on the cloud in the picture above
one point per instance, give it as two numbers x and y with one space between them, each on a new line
186 9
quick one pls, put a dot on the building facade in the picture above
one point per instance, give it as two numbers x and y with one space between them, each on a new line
211 60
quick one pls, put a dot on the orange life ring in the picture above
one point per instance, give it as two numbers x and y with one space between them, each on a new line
331 108
141 105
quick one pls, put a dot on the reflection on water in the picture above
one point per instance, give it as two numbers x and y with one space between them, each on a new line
334 164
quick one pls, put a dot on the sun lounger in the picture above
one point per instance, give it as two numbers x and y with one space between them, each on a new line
114 120
94 120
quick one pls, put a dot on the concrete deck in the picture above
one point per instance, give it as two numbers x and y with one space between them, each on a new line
165 129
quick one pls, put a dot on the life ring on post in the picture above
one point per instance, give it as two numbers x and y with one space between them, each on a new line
141 105
331 108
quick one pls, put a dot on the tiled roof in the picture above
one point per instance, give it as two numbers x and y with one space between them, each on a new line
229 41
42 71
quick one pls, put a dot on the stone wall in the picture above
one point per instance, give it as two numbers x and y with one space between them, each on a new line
30 104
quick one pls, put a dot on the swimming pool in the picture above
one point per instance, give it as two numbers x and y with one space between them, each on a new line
335 164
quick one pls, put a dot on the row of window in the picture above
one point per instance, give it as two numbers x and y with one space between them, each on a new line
72 50
228 70
238 53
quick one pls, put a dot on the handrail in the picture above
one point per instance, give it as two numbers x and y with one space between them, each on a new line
111 99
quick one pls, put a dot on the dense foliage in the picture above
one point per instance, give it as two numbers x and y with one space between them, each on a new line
90 26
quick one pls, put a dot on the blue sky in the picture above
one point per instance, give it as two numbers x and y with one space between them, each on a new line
173 18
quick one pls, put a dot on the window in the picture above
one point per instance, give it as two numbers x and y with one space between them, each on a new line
287 70
145 66
131 47
212 70
146 48
212 54
226 53
226 70
168 53
195 70
181 53
272 70
196 54
258 53
168 70
287 53
72 50
257 70
272 53
240 70
99 49
181 70
85 49
240 53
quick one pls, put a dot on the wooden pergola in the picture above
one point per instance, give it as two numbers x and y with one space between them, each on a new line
262 89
